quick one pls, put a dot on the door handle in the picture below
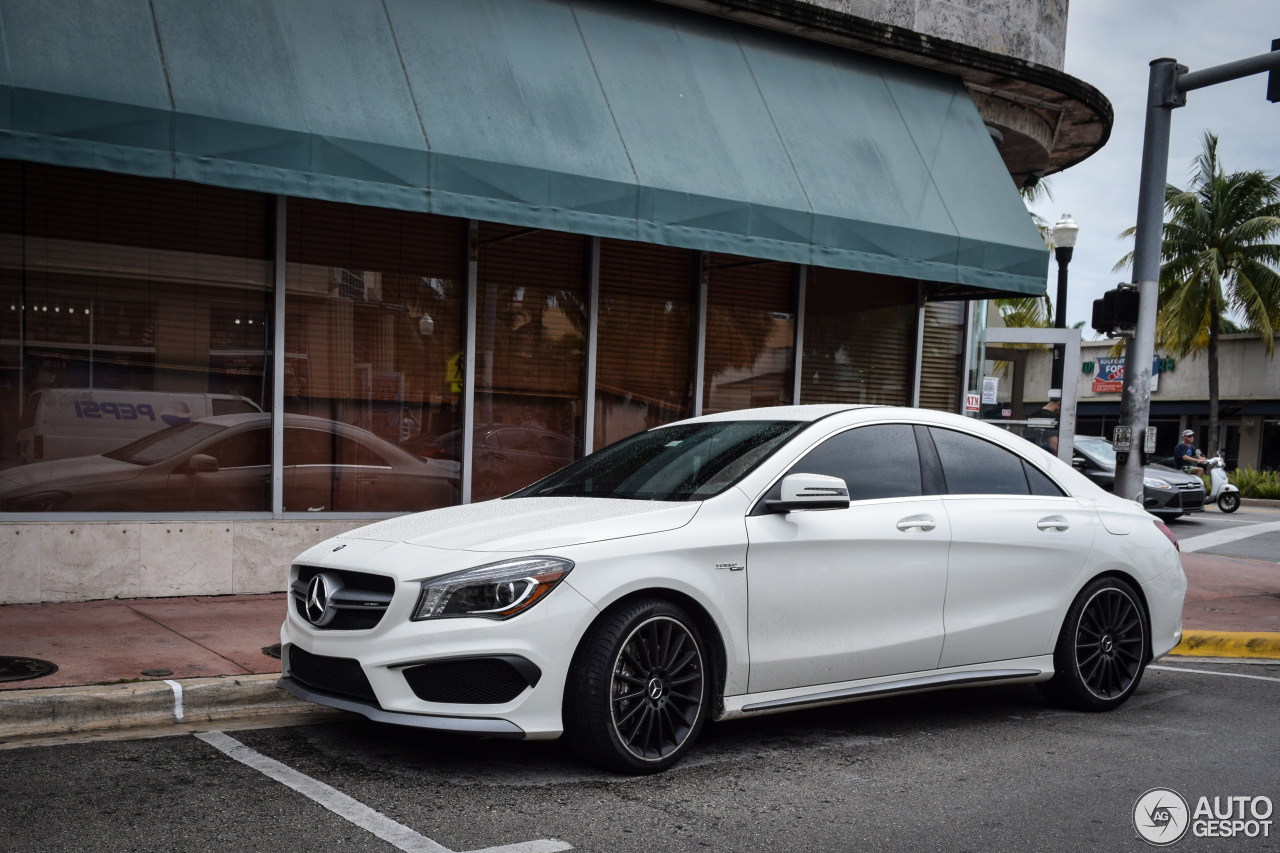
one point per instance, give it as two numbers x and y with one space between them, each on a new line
1053 522
924 522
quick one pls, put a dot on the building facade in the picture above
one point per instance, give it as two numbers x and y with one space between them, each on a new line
267 273
1248 391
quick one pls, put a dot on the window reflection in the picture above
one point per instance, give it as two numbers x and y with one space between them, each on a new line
644 370
751 334
859 344
531 333
128 307
373 358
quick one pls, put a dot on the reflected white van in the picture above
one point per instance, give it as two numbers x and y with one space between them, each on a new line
59 423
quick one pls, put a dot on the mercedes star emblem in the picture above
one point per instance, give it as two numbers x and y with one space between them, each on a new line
319 594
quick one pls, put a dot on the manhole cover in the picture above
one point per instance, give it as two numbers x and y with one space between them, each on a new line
272 651
157 673
20 669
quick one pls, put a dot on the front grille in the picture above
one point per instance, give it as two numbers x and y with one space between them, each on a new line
472 681
1192 495
332 675
352 580
345 618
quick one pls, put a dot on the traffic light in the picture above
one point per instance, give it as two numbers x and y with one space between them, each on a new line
1116 313
1273 78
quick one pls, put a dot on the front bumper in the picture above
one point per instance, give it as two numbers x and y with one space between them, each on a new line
1172 502
468 725
546 636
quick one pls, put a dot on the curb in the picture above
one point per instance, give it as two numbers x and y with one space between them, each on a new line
1259 502
1228 644
145 704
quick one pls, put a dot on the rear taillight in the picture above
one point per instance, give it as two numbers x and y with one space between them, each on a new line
1164 528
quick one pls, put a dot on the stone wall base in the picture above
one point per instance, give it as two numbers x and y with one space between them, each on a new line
82 561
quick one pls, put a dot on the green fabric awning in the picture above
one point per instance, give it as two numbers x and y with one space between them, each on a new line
634 120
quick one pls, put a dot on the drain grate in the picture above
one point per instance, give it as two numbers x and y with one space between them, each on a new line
20 669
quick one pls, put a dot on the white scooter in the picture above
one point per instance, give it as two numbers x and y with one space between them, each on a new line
1227 495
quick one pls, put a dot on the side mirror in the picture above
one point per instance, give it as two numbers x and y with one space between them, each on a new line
810 491
202 463
1078 462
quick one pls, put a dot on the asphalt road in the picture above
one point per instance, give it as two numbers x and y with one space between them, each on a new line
984 769
1263 546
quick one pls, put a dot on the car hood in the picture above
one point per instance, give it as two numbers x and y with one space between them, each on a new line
1171 475
79 470
530 524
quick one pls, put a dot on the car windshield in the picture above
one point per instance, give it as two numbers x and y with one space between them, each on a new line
164 444
686 462
1097 449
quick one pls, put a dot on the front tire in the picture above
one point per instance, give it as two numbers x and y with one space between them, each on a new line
1229 501
1102 648
638 688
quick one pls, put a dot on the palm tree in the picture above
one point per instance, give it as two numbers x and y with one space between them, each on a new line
1218 255
1031 311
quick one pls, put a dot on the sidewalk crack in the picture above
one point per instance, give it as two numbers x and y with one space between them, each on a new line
245 669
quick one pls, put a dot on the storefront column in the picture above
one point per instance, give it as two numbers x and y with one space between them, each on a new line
700 343
797 374
469 358
277 360
593 327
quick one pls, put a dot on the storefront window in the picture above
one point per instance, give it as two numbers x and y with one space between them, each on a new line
859 338
531 337
373 359
644 349
133 345
751 334
942 356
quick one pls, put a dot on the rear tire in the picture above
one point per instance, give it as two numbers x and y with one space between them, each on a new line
1229 501
1102 648
638 688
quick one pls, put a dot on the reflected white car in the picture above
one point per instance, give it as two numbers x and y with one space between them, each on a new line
735 565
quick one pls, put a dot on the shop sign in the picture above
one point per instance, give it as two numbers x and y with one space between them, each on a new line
1110 376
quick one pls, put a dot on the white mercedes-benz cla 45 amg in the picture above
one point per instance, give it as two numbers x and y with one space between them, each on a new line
734 565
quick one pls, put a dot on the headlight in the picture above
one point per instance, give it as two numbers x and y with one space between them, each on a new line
1151 483
493 591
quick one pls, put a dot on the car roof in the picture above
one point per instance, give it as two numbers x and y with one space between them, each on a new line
810 412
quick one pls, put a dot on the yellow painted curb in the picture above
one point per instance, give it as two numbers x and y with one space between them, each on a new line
1229 644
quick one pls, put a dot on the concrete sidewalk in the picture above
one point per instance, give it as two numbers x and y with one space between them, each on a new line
209 664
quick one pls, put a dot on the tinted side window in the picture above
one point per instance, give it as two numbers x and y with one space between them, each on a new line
1040 484
874 461
248 449
972 466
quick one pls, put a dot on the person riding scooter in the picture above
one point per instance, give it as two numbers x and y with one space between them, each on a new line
1187 457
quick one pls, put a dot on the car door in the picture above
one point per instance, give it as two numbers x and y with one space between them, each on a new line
838 595
241 483
1018 541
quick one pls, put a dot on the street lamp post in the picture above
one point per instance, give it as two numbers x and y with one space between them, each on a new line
1064 242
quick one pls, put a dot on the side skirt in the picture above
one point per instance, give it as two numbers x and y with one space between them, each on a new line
1022 671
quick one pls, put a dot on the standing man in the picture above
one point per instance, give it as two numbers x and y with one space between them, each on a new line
1187 456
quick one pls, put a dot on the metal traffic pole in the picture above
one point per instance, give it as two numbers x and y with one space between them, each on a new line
1167 87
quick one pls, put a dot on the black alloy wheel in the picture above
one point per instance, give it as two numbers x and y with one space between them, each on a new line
637 691
1102 650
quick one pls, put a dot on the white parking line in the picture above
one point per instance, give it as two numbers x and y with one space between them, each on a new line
1222 537
177 698
396 834
1211 672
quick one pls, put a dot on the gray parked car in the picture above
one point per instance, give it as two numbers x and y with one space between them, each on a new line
1167 492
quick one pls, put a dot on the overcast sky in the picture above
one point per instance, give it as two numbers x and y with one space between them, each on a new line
1109 46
